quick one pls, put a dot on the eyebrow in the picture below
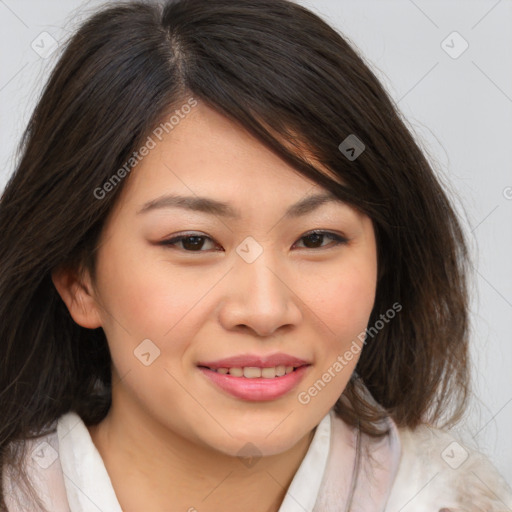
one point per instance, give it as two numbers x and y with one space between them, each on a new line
214 207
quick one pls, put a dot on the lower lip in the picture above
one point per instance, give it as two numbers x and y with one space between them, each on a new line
258 389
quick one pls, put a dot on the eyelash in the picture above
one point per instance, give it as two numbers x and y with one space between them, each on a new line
338 239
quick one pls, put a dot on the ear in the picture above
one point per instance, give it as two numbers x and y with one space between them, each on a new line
77 293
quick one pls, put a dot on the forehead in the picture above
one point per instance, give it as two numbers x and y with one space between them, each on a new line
206 154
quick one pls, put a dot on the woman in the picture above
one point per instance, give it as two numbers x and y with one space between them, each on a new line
175 333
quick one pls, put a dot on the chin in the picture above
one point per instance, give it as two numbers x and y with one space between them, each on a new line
260 444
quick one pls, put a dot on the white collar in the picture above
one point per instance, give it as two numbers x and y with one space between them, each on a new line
89 488
88 485
303 490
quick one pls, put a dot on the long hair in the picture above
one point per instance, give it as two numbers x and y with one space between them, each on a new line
299 87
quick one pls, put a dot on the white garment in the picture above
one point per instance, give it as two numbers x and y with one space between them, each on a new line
408 471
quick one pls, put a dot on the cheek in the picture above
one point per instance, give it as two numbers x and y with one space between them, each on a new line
343 305
345 301
148 300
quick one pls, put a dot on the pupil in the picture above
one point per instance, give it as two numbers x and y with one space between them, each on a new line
197 243
315 236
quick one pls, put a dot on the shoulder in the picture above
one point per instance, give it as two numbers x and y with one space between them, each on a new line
437 471
41 462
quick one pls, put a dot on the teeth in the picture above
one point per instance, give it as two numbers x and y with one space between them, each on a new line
253 372
236 372
267 373
280 370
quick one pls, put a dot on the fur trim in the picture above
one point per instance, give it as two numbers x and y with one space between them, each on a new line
437 473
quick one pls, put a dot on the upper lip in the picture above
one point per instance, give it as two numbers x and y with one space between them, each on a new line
245 360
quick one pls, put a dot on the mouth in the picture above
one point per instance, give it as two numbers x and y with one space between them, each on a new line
255 384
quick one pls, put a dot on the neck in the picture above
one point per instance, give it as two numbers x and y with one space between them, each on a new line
152 468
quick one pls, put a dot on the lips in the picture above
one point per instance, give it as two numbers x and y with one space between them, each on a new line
256 378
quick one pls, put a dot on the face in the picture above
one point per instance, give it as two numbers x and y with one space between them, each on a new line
247 280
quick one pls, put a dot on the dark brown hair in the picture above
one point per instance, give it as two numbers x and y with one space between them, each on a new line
296 84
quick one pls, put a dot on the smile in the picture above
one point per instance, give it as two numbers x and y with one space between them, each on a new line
254 383
254 372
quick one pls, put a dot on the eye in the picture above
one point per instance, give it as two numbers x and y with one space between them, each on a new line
195 242
190 242
315 236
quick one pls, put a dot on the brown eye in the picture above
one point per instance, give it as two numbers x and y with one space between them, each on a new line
190 243
317 237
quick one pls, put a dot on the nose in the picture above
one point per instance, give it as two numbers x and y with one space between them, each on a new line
260 297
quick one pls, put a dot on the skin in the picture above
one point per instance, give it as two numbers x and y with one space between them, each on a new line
171 437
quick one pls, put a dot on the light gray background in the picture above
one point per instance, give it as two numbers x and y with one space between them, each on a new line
460 110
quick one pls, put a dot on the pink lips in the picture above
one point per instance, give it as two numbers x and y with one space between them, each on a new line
256 389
